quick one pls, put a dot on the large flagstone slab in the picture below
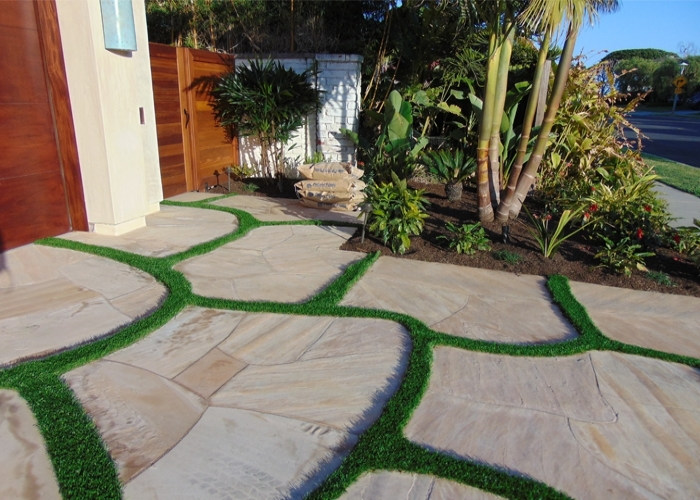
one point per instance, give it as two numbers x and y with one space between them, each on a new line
52 299
598 425
240 404
281 209
278 263
660 321
467 302
135 409
242 455
386 485
170 231
25 467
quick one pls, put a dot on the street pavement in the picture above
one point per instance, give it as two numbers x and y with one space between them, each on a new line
674 137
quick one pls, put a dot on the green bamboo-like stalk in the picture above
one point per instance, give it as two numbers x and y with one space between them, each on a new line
503 211
527 177
482 150
506 48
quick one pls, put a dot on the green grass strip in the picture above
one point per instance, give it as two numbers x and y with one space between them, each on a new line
678 175
85 470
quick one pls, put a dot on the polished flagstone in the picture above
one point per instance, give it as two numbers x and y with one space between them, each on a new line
282 209
170 231
25 468
597 425
268 404
53 298
392 485
462 301
277 263
659 321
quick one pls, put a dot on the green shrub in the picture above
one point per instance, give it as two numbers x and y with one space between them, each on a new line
467 238
250 187
240 172
507 257
397 213
549 242
622 256
660 277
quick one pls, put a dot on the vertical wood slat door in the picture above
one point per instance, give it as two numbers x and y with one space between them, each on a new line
169 126
212 148
191 145
40 184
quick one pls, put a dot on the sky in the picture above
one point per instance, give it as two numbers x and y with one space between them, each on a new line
642 24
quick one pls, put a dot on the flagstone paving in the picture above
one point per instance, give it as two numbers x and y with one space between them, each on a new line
277 263
25 468
280 209
227 404
462 301
664 322
268 404
393 485
170 231
52 298
596 425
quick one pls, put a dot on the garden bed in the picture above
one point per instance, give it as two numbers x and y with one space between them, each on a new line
574 259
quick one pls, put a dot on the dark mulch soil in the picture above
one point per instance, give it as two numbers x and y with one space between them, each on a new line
574 259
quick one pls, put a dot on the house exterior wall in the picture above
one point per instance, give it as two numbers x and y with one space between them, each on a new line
339 79
118 155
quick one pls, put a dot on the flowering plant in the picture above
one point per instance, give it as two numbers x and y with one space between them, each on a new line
550 242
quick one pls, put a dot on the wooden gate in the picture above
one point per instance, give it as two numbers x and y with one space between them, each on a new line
40 185
191 145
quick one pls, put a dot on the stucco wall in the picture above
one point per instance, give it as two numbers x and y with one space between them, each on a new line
339 79
118 155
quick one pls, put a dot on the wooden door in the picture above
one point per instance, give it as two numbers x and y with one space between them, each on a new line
169 124
212 148
40 185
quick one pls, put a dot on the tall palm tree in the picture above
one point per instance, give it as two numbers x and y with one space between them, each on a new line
547 16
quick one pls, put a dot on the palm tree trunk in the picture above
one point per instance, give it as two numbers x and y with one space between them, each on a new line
482 150
527 178
498 105
503 211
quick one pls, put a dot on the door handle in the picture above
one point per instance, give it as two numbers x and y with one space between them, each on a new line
187 117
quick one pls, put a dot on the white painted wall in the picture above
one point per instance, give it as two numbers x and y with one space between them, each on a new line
118 155
339 78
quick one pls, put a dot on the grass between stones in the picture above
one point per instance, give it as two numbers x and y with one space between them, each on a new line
82 464
678 175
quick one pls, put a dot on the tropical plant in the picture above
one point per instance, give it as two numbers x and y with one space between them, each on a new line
467 238
687 239
627 206
545 16
266 100
240 172
394 151
622 256
398 212
450 166
549 242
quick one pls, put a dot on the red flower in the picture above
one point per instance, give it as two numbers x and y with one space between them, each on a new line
677 238
592 188
647 208
594 207
586 216
360 164
547 217
640 234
